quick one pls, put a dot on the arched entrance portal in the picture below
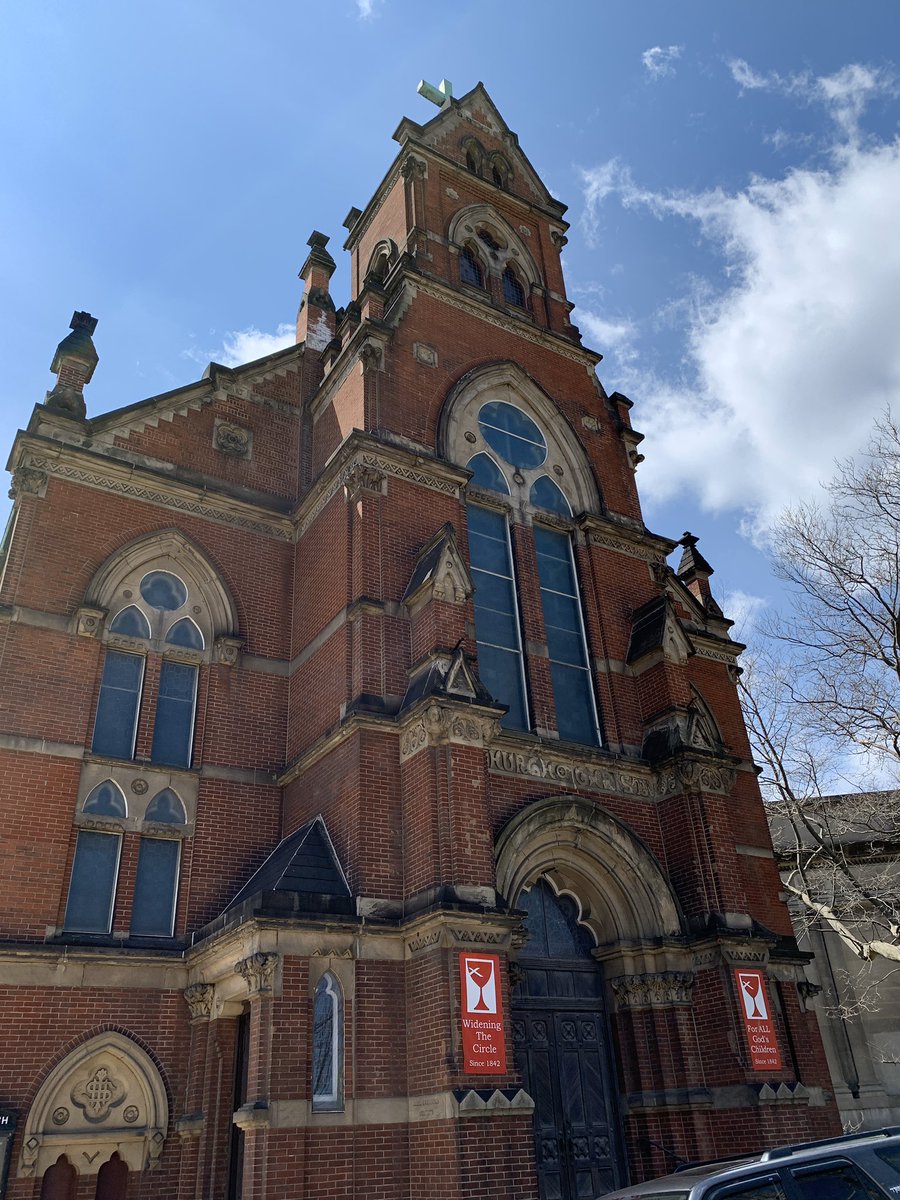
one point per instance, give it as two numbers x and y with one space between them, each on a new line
585 880
561 1043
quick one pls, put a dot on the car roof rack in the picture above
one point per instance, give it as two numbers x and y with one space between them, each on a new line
735 1159
787 1151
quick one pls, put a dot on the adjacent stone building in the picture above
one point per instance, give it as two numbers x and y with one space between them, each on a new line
378 812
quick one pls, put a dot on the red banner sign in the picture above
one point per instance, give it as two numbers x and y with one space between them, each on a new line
483 1038
754 1000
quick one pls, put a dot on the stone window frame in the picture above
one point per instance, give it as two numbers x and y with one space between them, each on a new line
134 821
114 588
208 605
566 465
329 985
509 251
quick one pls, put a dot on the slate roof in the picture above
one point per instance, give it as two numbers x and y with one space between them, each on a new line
302 876
304 863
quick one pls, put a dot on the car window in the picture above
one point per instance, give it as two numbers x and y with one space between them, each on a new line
834 1181
890 1155
767 1188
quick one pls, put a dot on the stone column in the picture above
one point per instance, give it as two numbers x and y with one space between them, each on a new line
258 970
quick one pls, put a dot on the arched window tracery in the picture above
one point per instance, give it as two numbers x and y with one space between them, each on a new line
520 450
328 1044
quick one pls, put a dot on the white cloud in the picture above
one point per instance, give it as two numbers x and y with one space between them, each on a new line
245 345
844 94
660 60
365 9
609 336
744 609
789 363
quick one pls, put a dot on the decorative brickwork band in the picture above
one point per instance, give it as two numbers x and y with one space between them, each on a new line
660 990
200 999
258 972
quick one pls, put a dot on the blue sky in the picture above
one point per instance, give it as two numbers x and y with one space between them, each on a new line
731 169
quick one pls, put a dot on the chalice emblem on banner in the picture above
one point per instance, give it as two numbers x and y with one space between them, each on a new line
481 985
753 995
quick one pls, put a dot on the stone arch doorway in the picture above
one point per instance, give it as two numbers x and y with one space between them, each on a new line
592 891
562 1046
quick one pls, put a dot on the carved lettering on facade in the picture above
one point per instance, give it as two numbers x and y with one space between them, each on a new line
598 777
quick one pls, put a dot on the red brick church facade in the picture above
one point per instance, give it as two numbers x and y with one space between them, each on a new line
325 672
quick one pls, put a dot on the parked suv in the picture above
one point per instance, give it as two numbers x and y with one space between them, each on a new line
860 1166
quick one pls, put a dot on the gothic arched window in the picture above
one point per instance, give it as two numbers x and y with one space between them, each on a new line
470 270
328 1044
154 620
513 292
518 449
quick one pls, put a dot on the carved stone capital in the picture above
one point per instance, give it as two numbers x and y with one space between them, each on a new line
442 724
258 972
662 989
28 481
362 478
200 998
371 356
693 775
414 168
227 651
89 621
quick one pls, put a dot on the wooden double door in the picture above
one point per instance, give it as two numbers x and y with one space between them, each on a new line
561 1041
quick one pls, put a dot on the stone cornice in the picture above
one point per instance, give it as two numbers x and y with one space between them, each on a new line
717 649
220 381
625 539
76 465
363 451
486 312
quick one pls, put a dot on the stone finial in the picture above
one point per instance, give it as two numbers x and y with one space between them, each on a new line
692 561
694 571
316 317
73 364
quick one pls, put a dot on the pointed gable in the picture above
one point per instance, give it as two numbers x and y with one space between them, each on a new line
301 875
475 116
